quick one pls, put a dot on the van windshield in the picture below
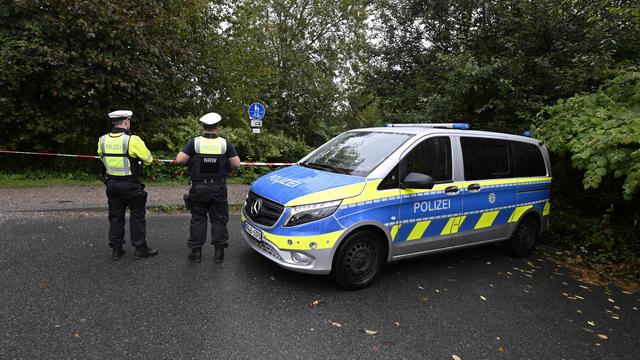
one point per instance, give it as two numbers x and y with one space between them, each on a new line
355 153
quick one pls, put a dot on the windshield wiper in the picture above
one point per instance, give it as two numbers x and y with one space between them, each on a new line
323 167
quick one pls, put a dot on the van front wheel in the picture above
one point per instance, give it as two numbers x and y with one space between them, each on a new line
358 260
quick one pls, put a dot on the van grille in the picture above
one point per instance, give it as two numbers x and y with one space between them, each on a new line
268 213
267 248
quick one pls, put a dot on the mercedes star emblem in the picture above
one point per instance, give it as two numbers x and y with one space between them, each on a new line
255 208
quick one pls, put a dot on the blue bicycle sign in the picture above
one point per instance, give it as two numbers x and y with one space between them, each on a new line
256 111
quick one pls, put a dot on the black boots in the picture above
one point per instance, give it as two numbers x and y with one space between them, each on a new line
219 256
195 255
145 252
117 253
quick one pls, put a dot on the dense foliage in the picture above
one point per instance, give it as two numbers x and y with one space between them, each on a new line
298 57
65 64
600 131
495 64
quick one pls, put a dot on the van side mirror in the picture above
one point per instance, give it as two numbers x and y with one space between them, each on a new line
417 181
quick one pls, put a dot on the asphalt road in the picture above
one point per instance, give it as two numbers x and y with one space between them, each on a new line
63 298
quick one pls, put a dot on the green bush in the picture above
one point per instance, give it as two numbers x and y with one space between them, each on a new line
266 146
600 131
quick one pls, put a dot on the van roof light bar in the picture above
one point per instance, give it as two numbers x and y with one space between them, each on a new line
461 126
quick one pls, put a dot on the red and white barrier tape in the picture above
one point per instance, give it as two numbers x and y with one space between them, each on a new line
155 160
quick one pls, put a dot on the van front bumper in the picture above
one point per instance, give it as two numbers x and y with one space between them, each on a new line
313 261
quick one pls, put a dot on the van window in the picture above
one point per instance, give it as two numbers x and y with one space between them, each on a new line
527 160
486 158
355 152
390 181
431 157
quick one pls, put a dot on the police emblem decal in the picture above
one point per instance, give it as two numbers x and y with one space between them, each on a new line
255 208
492 198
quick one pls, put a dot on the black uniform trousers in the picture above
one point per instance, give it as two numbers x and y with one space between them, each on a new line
211 200
122 194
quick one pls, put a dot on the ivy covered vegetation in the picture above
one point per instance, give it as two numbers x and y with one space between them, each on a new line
567 69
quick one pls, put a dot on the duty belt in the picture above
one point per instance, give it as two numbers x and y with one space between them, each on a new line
209 182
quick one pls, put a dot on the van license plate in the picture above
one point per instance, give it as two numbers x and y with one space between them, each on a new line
255 233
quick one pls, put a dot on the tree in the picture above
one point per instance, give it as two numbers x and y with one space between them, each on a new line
495 63
65 64
297 57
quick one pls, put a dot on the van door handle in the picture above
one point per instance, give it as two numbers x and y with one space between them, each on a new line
451 190
474 187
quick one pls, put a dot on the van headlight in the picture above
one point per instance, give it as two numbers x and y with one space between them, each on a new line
307 213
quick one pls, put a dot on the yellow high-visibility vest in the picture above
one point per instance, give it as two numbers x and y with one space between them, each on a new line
208 146
115 154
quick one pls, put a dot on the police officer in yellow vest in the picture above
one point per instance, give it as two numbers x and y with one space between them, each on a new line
122 154
210 159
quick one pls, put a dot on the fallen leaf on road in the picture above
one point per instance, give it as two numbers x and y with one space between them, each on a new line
501 349
602 336
396 323
370 332
314 303
456 357
76 334
335 324
483 298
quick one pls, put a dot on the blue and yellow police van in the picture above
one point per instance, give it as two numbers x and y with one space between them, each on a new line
377 195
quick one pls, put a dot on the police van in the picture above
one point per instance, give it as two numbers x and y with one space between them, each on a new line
377 195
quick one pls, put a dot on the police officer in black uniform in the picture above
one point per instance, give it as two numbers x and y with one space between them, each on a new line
210 159
122 155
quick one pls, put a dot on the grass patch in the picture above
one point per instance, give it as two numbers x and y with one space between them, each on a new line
180 209
42 179
21 180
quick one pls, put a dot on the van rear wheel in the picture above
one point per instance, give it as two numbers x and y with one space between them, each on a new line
525 237
358 260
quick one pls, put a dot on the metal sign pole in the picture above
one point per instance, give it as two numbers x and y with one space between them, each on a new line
256 114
